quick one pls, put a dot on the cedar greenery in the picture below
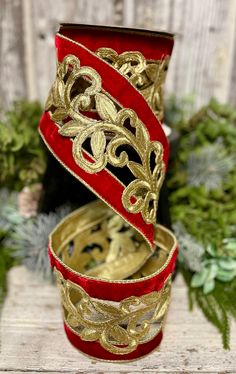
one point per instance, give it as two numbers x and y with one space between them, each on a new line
219 306
202 181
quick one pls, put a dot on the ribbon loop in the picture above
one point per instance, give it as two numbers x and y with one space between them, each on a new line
102 122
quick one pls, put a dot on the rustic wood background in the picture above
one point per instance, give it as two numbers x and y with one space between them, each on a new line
33 339
203 62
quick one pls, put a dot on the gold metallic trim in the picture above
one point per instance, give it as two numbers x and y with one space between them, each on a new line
90 214
148 76
90 188
118 327
69 97
104 246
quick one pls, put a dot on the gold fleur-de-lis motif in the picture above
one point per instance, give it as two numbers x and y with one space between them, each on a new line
147 76
78 90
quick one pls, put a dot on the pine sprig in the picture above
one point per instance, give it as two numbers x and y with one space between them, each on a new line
209 166
9 217
202 181
190 250
30 241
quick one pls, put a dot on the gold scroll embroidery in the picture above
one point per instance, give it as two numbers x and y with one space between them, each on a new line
77 90
110 249
147 76
104 246
118 327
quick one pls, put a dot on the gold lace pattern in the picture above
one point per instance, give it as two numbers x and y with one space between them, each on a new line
78 90
118 327
147 76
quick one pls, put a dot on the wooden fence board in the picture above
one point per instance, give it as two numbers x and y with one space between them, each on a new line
12 72
204 57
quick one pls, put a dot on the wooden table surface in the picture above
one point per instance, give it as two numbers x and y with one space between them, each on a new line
33 340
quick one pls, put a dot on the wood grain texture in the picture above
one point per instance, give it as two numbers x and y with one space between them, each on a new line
203 62
33 339
46 19
12 71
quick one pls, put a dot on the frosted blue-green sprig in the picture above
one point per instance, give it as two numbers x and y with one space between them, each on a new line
209 166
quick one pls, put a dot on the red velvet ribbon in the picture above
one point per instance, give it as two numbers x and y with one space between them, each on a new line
101 183
153 46
121 89
117 86
115 291
83 43
96 350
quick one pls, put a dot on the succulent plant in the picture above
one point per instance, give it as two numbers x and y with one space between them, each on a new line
222 268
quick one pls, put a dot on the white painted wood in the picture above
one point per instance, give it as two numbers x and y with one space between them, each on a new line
29 50
12 73
203 57
33 339
47 15
203 62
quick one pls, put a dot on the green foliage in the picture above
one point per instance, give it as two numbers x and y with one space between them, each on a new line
209 166
22 159
24 240
9 217
178 111
217 266
219 306
207 214
202 180
29 240
6 262
190 250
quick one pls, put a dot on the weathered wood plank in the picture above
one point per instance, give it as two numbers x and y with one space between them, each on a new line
12 72
46 18
33 339
103 372
203 61
205 43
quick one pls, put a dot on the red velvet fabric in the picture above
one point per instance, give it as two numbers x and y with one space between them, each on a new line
103 182
118 87
128 97
96 350
152 45
115 291
83 42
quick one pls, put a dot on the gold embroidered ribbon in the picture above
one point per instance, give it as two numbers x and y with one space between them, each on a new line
117 137
118 326
78 89
94 248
